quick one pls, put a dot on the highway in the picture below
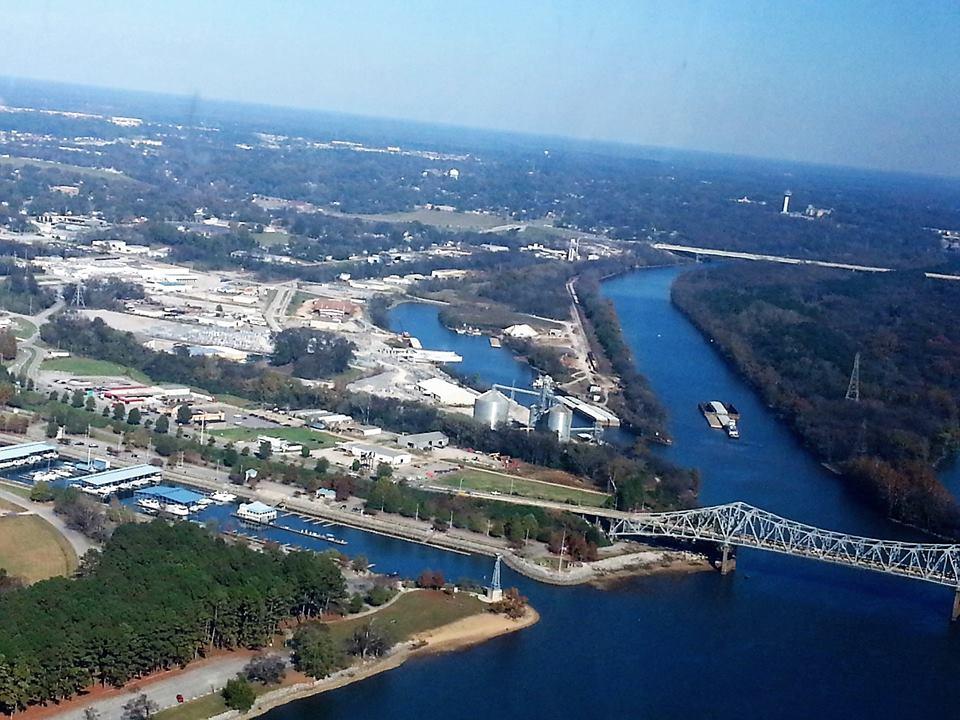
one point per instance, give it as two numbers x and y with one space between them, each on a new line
736 255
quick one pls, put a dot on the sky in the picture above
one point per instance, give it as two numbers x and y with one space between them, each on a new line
862 84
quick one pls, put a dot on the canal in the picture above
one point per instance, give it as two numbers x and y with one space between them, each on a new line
781 637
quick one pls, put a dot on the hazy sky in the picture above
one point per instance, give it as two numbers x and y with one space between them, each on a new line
856 83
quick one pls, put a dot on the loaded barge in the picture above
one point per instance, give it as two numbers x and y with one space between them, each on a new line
721 416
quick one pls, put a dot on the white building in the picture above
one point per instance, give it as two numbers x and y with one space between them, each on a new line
257 512
371 454
447 393
279 445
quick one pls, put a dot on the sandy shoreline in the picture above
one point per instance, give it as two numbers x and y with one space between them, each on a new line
457 635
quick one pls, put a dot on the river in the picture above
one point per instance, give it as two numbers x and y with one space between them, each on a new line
780 637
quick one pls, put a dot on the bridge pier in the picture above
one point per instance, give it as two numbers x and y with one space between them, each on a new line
728 562
956 606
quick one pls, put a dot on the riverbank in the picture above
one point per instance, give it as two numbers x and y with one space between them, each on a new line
458 635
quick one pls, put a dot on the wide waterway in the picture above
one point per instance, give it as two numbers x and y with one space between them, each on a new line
780 638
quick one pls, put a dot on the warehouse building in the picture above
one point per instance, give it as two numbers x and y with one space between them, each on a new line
424 441
371 455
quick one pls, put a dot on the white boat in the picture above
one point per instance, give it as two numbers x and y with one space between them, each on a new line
732 430
148 503
222 497
178 510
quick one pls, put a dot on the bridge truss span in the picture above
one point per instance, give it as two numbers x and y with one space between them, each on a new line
740 524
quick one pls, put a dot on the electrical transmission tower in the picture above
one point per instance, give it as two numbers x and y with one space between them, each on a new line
853 388
78 295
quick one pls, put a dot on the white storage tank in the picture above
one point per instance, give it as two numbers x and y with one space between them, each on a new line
492 408
560 420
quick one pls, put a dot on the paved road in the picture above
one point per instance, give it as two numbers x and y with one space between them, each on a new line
195 681
80 542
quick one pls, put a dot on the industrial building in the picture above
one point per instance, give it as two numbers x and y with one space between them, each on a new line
119 480
424 441
324 419
370 454
26 455
447 393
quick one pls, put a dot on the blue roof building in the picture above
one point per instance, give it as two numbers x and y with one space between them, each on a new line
171 495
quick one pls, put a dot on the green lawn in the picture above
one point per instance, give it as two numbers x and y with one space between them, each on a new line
16 489
66 167
25 328
298 299
234 400
271 239
88 366
413 613
202 708
312 439
483 481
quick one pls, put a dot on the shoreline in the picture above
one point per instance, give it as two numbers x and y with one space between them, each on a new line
458 635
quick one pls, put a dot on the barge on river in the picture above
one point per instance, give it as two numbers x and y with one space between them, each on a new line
721 416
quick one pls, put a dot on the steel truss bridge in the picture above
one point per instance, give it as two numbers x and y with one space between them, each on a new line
739 524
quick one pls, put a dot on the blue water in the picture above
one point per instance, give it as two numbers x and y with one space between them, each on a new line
493 365
781 637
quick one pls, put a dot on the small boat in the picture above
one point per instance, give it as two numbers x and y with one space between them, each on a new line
177 510
223 497
733 431
148 503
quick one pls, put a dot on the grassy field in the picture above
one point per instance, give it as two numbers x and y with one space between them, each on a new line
271 239
9 506
200 709
24 328
65 167
298 299
88 366
234 400
413 613
483 481
16 489
312 439
31 548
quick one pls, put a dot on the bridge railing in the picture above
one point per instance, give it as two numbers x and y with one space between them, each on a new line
743 525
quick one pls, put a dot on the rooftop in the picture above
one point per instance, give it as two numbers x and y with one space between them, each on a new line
119 475
257 507
375 449
15 452
170 493
425 437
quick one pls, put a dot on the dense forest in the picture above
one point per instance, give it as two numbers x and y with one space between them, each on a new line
794 334
159 596
312 354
